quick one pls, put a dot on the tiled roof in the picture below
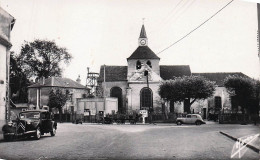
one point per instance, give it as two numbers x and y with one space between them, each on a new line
113 73
58 82
143 52
219 77
143 33
169 71
119 73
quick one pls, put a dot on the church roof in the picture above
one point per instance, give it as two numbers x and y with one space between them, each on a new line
119 73
169 71
219 77
58 82
113 73
143 52
143 33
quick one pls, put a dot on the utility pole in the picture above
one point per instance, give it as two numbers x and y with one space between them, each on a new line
104 80
258 21
146 74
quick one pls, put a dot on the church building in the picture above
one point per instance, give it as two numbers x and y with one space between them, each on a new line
136 85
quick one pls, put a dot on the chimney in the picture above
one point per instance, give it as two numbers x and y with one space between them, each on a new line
78 80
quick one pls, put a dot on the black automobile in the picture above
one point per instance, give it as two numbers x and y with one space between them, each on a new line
30 123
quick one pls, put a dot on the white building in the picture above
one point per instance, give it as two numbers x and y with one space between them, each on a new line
6 25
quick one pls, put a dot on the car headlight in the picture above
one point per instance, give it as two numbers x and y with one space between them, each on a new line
10 123
28 122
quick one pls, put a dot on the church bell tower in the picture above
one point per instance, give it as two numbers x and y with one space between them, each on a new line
143 41
143 59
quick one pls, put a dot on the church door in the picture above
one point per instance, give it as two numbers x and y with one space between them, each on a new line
117 92
146 98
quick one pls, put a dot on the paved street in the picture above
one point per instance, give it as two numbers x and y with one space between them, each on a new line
161 141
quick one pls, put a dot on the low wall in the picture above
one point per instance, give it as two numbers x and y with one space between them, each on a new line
237 118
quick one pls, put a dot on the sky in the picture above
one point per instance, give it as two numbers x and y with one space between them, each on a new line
107 31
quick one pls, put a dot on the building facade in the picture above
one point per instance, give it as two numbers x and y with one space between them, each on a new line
38 94
220 101
6 25
136 85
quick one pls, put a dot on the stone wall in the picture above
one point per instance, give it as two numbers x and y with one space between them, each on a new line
2 84
5 30
210 102
121 84
134 92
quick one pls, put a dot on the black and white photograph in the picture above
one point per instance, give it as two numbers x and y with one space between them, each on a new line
129 79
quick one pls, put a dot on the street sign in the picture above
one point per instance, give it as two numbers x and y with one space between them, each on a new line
144 113
86 112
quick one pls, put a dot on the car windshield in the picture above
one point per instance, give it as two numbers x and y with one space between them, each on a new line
30 115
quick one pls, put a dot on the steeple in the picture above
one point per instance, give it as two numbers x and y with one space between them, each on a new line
142 40
143 33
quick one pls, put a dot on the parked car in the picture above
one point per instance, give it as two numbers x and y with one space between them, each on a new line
190 119
30 123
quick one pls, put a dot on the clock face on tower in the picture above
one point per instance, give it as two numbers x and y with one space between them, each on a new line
143 42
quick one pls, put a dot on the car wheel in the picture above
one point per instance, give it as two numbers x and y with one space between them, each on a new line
198 123
179 123
53 132
37 135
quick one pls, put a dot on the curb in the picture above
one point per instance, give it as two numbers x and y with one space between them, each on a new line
236 139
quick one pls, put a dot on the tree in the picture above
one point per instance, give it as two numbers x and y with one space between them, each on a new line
186 89
57 99
42 58
245 91
18 81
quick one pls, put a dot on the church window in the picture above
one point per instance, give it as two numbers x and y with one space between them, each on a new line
149 64
146 98
138 65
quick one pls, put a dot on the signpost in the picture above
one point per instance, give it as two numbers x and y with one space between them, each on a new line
144 114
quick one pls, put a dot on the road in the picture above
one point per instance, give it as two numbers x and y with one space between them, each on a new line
161 141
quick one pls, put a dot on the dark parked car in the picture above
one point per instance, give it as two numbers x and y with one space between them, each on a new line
31 123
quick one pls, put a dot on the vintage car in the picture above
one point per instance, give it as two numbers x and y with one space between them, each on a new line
190 119
30 123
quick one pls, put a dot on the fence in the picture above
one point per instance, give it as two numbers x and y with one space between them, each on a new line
234 118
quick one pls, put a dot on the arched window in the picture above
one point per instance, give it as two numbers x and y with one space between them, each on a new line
138 65
117 92
149 64
146 98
